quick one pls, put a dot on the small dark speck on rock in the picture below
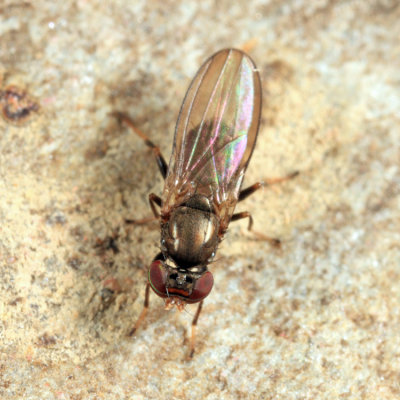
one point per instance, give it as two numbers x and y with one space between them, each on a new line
16 105
108 243
57 218
15 301
46 340
74 263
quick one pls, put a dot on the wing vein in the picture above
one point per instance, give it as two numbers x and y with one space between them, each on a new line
185 130
200 128
215 130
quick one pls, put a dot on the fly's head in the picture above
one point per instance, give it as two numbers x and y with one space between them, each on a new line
179 286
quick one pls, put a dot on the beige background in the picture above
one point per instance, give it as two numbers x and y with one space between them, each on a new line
318 319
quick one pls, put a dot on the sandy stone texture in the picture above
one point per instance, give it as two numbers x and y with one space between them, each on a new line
317 319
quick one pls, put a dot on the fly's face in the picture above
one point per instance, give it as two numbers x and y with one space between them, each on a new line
179 285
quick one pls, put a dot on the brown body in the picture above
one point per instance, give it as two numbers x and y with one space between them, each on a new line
190 236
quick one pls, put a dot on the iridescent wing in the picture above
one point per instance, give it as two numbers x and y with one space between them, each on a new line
215 133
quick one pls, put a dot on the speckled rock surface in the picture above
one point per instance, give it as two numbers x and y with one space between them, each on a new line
317 319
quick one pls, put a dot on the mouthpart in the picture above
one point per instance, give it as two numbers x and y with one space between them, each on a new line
170 302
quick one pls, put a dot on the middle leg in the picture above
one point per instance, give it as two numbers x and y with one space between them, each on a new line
153 200
246 214
248 192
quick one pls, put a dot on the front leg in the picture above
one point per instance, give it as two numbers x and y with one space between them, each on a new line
143 314
193 334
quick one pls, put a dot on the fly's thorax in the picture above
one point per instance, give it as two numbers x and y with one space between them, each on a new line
190 236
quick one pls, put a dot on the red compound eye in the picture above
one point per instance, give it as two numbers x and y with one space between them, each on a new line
202 288
158 278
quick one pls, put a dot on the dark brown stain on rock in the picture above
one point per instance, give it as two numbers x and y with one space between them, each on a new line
17 106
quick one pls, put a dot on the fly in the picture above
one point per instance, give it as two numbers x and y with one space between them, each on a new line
214 139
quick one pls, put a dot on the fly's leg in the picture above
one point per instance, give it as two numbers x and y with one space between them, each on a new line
162 165
241 215
194 323
246 214
248 192
141 221
153 201
253 188
143 313
272 181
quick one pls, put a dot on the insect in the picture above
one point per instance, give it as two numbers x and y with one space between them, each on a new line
214 139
